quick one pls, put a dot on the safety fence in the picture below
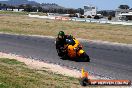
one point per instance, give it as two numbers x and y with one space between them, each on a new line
90 20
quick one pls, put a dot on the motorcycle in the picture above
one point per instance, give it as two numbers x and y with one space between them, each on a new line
73 50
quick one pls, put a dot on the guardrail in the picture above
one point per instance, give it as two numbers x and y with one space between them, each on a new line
90 20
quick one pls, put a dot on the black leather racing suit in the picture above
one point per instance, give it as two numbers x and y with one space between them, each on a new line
60 45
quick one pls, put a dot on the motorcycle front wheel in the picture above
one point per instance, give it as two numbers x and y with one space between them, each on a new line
85 57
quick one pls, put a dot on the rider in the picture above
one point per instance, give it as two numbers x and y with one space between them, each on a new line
61 40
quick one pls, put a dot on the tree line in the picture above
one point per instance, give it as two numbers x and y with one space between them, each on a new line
72 12
30 8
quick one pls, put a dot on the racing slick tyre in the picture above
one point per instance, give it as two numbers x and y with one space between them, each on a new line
85 57
60 54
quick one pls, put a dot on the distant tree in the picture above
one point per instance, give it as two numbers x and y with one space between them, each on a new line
123 7
73 15
21 6
80 10
82 16
50 10
45 10
60 11
11 7
40 9
89 16
104 13
109 17
71 11
28 8
66 11
4 5
107 13
34 9
0 6
96 17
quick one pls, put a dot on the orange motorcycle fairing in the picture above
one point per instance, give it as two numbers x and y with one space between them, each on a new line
72 50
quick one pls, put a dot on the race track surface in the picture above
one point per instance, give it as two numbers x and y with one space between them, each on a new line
108 61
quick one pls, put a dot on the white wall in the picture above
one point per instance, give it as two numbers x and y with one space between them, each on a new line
16 10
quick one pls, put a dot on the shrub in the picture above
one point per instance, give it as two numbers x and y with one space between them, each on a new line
81 16
96 17
89 16
110 17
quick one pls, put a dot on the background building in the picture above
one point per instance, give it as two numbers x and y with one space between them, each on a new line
90 10
123 14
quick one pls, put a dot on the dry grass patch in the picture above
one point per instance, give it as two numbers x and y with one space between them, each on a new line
106 32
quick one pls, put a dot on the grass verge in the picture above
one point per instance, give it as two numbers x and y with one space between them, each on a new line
14 74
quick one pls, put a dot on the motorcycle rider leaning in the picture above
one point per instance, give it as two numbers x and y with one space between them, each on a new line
61 40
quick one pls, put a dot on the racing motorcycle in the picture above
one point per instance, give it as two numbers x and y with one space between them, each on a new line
73 50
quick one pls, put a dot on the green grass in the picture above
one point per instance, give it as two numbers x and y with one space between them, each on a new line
14 74
10 61
22 24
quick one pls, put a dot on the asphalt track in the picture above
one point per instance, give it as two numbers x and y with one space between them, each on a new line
109 61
